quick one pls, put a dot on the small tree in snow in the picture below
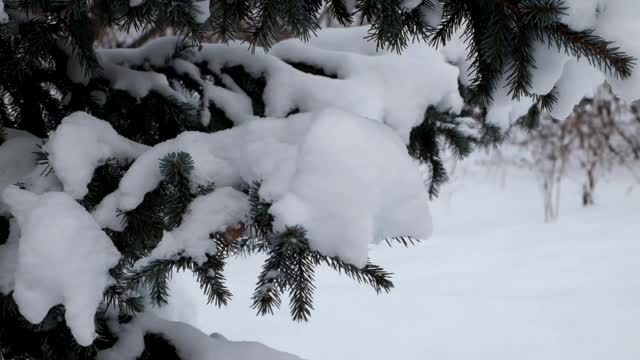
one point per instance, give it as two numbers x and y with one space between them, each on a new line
604 132
600 135
122 166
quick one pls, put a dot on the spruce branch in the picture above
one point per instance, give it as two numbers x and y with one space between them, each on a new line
175 169
290 266
155 277
596 50
406 241
340 12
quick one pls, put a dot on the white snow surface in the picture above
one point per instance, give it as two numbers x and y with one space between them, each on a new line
62 258
207 214
203 8
494 282
348 180
189 342
80 144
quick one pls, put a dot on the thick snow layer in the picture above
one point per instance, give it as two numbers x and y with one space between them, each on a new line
377 85
309 164
381 85
617 21
396 83
189 342
345 202
80 144
203 8
63 258
207 214
493 283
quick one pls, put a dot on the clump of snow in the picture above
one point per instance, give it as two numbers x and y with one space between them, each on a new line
80 144
207 214
204 12
578 80
391 87
617 21
581 15
347 201
432 16
63 258
309 165
189 342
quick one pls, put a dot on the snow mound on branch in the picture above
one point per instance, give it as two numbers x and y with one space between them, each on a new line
207 214
189 342
63 258
80 144
348 194
389 88
348 180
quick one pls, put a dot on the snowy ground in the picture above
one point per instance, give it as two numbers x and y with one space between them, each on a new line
494 283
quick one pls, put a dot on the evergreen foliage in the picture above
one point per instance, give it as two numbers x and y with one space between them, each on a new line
36 93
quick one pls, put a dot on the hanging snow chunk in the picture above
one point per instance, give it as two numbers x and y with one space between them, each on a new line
82 143
354 183
63 258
